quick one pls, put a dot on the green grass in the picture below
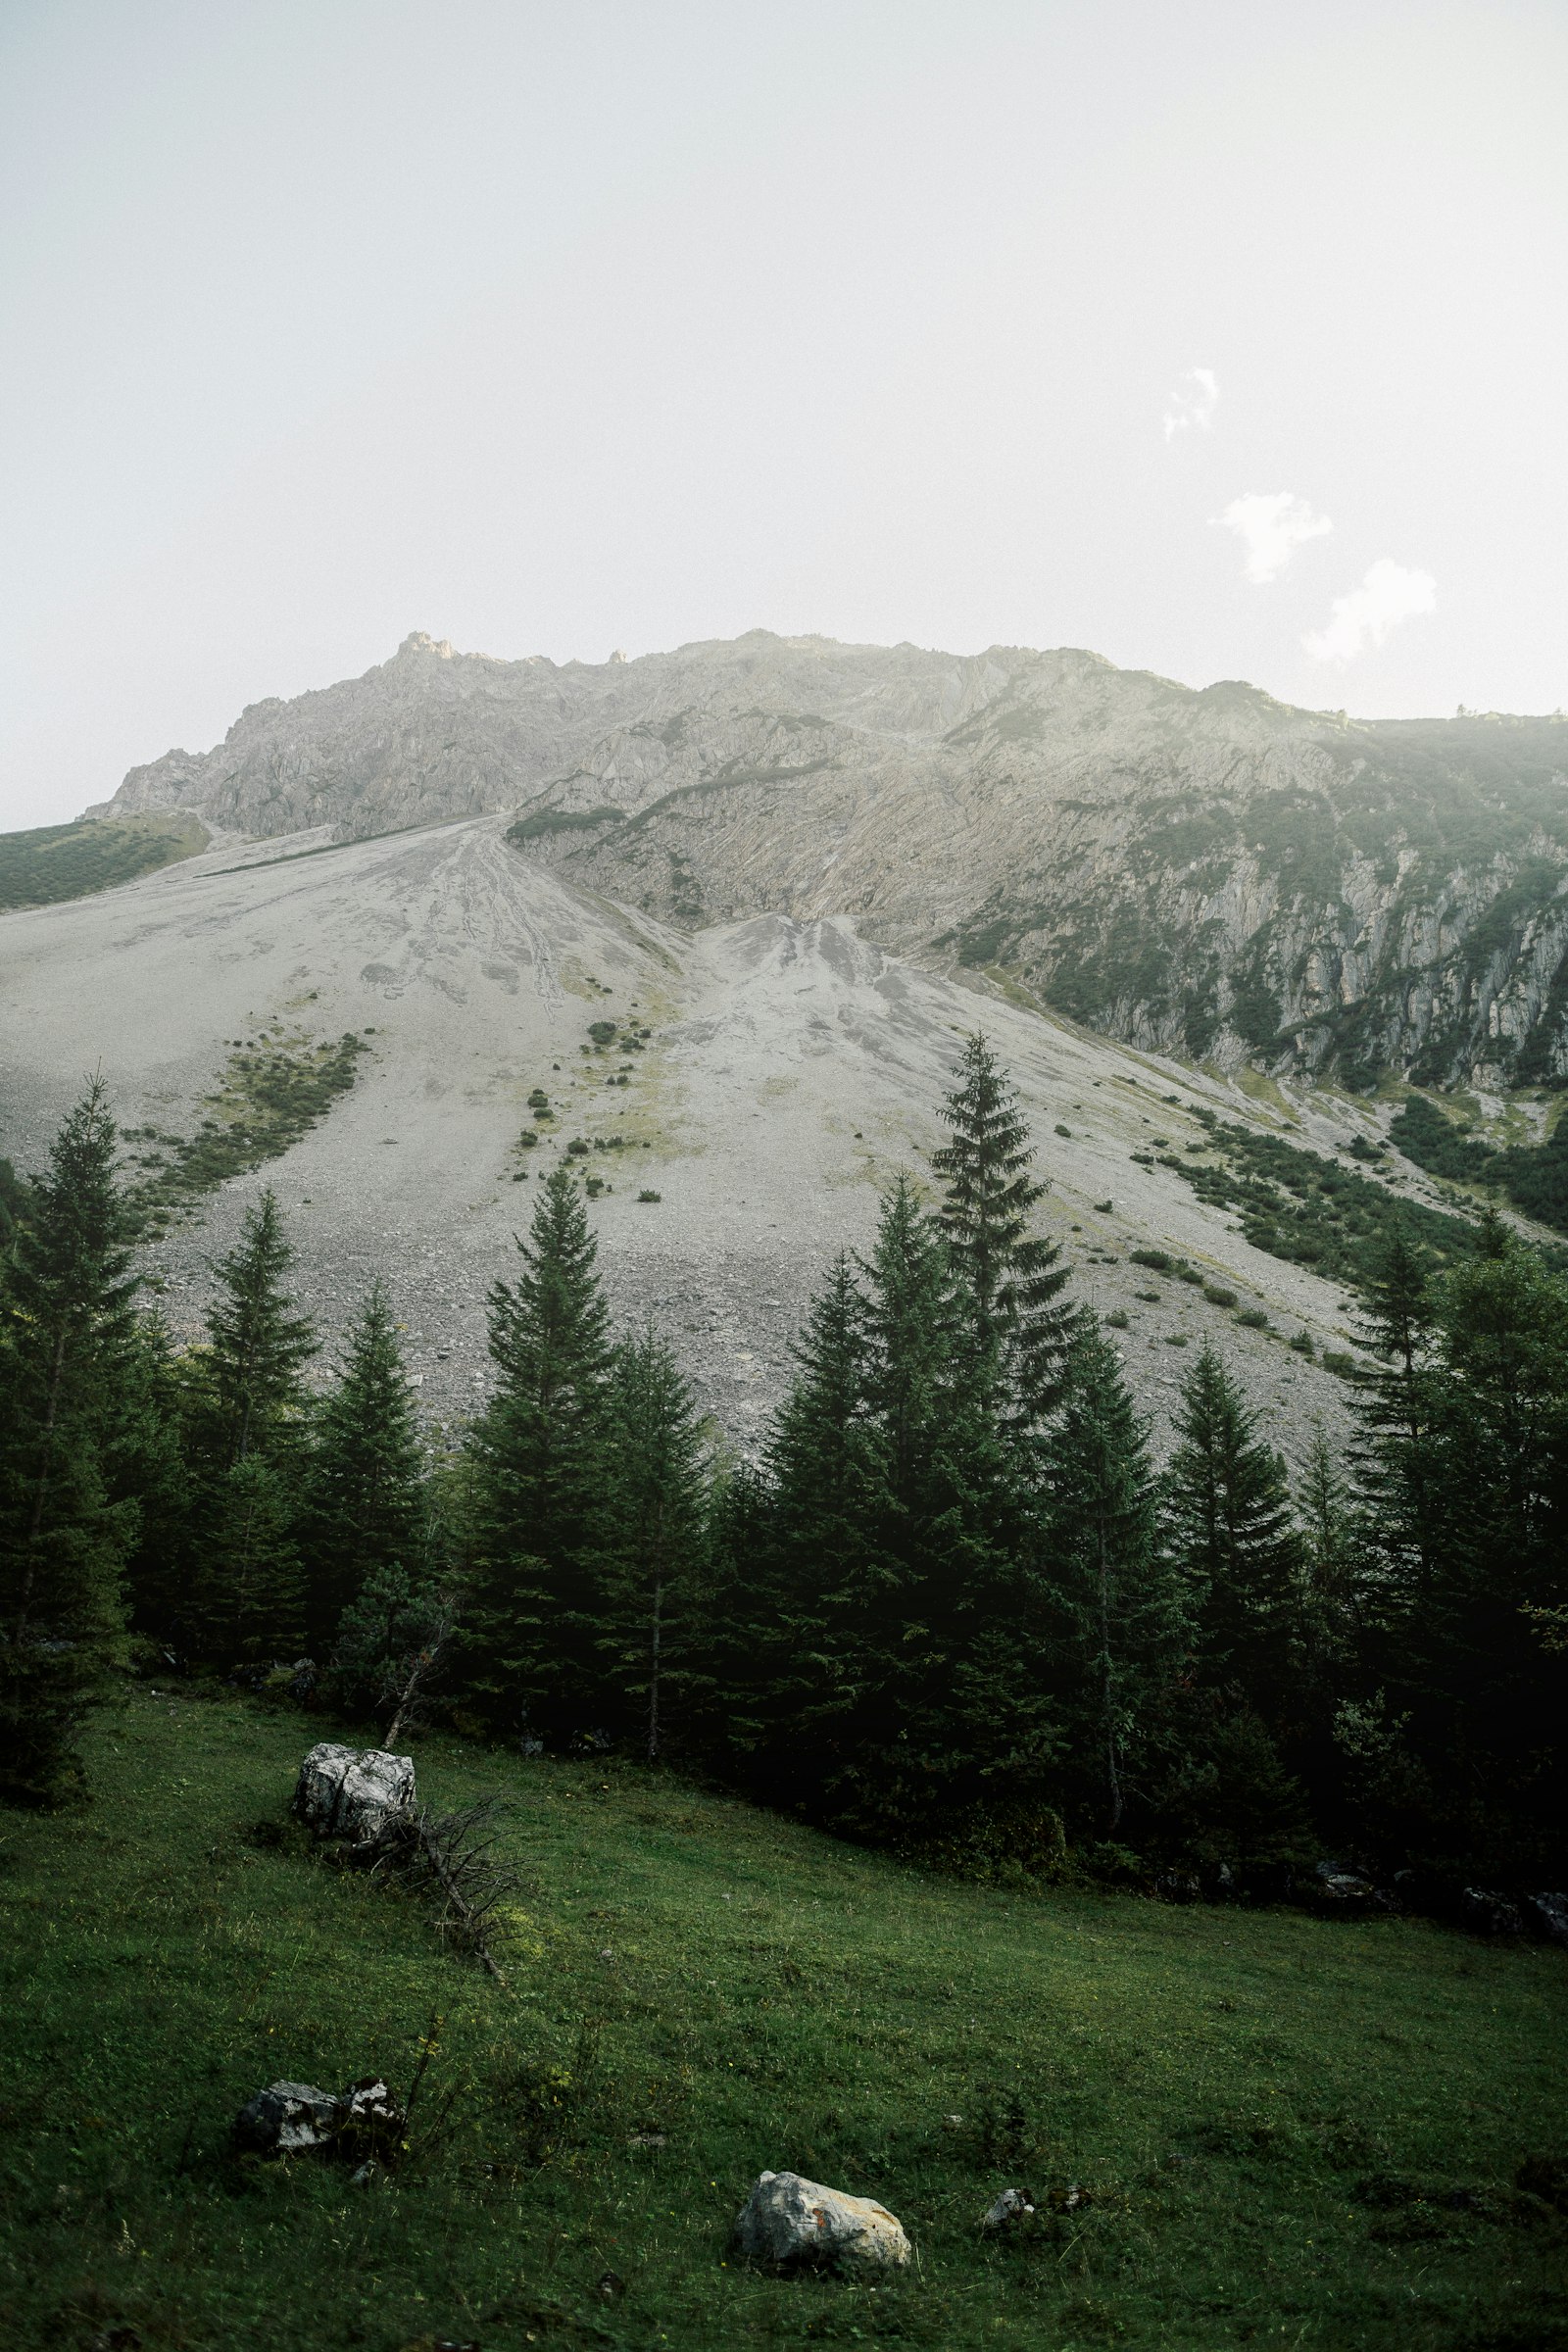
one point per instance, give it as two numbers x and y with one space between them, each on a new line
1534 1176
1288 2130
546 821
53 863
1303 1207
271 1093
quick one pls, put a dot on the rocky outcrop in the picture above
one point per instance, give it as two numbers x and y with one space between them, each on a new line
363 1795
291 2118
791 2223
1213 875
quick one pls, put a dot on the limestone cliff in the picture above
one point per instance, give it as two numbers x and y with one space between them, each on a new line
1207 873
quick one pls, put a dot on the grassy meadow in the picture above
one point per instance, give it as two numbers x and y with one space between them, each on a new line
1281 2130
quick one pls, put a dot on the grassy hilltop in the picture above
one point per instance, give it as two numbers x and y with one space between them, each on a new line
1283 2131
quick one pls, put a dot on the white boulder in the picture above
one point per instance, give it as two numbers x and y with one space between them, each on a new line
287 2117
1011 2210
789 2223
354 1792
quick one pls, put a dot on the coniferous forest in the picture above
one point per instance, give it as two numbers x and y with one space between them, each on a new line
963 1606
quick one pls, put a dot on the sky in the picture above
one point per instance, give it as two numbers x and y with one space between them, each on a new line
1226 340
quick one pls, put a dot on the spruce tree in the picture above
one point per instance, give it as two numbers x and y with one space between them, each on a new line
1010 1279
1486 1699
366 1499
1233 1538
68 1304
252 1385
538 1450
1333 1594
1395 1476
925 1703
650 1561
1121 1620
248 1412
145 1464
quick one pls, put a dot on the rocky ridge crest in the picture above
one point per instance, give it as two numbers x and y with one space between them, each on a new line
1207 873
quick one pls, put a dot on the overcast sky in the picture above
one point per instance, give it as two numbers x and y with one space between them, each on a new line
1230 341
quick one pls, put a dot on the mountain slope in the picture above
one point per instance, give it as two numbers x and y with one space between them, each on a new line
1206 874
1256 2111
764 1078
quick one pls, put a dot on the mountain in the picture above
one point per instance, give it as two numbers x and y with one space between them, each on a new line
1206 874
371 1027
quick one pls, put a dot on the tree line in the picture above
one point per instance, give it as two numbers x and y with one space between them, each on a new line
956 1608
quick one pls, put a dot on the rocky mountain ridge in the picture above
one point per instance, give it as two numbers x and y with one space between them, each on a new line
1209 874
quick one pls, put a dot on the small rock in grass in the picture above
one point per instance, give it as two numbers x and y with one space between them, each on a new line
1548 1914
1486 1913
1012 2207
359 1793
791 2223
286 2118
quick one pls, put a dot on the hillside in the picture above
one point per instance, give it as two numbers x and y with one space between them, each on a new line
1209 874
1279 2129
364 1026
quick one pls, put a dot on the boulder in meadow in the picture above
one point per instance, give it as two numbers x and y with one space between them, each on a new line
792 2223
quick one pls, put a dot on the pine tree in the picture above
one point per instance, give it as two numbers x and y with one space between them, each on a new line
1487 1700
1234 1540
1012 1280
1333 1587
650 1561
247 1422
144 1465
69 1316
1122 1628
249 1603
366 1499
1392 1459
539 1474
925 1703
257 1346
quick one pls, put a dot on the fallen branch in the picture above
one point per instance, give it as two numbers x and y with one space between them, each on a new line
457 1850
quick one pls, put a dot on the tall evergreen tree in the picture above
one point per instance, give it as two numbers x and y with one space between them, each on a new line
1010 1279
1333 1594
539 1457
1486 1701
924 1702
1392 1459
1233 1538
365 1503
1122 1629
652 1558
145 1465
248 1410
69 1315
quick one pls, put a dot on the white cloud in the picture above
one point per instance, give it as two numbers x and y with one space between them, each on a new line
1271 526
1193 403
1388 594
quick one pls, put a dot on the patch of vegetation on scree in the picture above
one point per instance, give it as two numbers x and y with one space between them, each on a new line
1274 2123
1533 1176
273 1090
50 863
1301 1206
